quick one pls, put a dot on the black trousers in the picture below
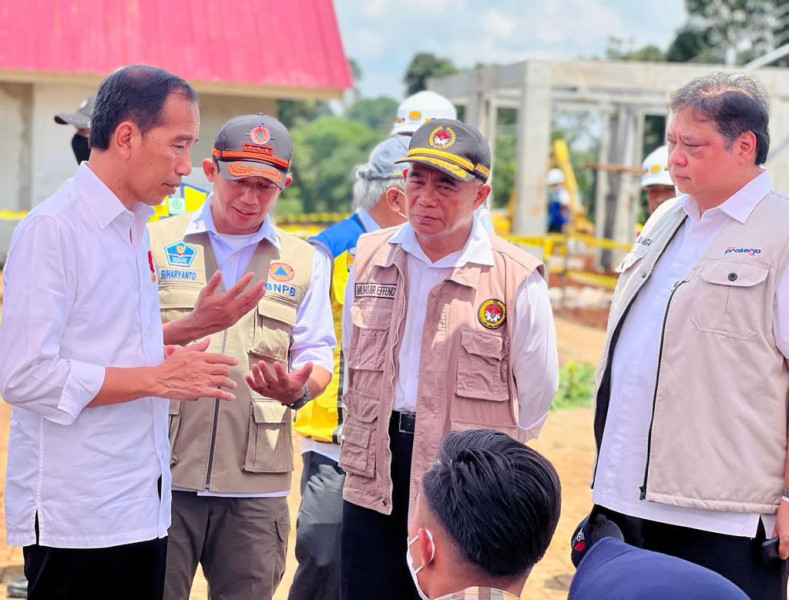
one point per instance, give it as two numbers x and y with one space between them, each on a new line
318 530
127 572
373 545
736 558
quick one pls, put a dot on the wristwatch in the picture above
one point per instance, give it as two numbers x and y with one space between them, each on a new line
303 400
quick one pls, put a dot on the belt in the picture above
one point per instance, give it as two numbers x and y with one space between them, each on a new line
403 422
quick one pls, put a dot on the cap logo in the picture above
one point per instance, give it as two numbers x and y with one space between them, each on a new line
492 313
260 135
442 137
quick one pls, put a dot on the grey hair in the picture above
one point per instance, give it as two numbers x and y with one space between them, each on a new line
735 103
368 192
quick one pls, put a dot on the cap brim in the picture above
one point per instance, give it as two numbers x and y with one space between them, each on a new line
451 169
241 169
77 120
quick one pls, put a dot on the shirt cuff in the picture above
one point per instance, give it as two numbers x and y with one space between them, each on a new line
82 386
532 431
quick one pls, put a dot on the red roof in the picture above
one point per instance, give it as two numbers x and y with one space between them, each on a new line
285 43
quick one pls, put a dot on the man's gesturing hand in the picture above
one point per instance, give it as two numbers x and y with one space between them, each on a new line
277 384
189 373
216 312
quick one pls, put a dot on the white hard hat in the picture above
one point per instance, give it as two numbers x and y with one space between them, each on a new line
421 108
554 177
655 168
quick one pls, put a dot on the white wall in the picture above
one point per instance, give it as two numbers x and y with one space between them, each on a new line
15 109
215 111
53 160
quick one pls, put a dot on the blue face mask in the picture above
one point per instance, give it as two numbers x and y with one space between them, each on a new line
410 561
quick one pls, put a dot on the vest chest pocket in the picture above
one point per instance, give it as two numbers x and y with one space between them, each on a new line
369 344
482 366
176 301
728 298
270 447
271 333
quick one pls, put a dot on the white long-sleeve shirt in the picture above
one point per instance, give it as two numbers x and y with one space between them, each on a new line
533 337
80 297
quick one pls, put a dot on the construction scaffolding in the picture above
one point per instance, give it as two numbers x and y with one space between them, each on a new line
624 94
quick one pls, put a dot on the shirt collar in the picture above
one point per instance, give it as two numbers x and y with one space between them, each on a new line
203 222
476 593
103 204
740 205
367 220
477 249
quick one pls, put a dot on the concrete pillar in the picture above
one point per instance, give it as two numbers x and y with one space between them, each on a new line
492 126
534 140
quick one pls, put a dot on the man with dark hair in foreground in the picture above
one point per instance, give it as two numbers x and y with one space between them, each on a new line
485 515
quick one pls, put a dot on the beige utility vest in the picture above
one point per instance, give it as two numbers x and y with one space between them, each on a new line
465 376
244 446
718 438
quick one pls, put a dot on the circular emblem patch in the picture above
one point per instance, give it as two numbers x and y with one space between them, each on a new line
280 271
492 314
260 134
442 137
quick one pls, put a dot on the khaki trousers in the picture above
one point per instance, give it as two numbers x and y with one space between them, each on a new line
241 544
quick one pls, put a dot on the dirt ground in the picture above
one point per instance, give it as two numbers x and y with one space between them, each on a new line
566 440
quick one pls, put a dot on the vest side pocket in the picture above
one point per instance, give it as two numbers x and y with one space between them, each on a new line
357 457
174 415
270 446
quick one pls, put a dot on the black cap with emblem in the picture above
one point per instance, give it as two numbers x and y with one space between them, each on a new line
451 146
253 146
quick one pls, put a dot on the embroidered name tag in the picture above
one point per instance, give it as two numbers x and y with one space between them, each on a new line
375 290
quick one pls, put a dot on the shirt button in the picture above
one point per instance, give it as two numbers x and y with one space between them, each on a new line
732 276
644 275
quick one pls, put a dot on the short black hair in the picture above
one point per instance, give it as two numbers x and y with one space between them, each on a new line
497 498
135 93
735 103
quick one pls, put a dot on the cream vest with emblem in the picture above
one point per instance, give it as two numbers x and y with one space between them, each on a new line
718 438
245 446
465 378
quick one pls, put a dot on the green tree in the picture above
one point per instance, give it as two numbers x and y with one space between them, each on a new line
325 150
424 66
378 113
618 50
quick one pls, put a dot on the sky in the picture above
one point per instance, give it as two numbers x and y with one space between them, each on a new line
382 36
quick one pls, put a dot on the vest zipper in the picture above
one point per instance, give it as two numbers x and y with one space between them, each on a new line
643 495
214 427
608 364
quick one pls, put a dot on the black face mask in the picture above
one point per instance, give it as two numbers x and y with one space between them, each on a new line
81 147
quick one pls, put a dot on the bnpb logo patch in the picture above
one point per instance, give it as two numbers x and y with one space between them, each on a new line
280 271
180 254
492 313
260 134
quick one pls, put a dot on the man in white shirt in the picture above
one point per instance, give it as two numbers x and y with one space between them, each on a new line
82 358
232 464
691 401
450 328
